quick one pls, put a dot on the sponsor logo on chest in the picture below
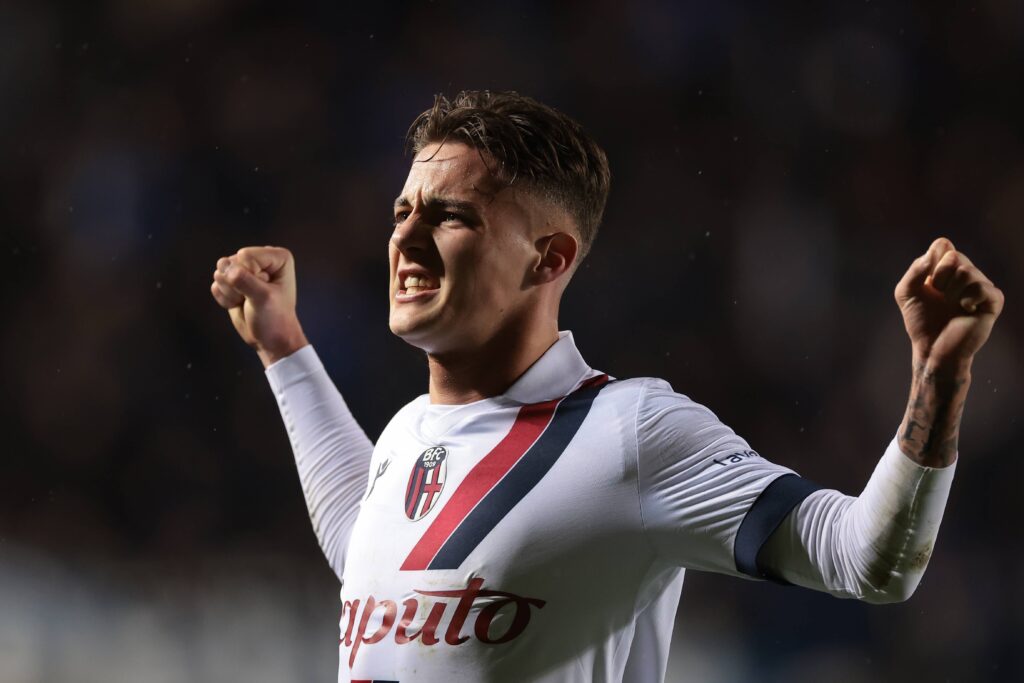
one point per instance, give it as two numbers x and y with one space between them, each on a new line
493 617
426 481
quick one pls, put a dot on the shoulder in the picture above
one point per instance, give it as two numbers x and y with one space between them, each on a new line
407 415
413 408
654 399
666 420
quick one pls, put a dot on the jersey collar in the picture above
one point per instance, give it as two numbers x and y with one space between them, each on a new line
553 375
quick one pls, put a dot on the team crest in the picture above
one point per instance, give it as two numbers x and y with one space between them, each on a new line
426 482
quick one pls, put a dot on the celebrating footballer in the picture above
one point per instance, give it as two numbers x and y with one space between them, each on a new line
531 518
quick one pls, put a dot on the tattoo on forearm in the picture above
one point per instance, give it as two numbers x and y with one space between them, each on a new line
931 426
908 435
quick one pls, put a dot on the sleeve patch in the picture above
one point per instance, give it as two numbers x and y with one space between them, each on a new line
733 458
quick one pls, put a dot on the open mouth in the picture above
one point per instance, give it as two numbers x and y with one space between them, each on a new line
416 286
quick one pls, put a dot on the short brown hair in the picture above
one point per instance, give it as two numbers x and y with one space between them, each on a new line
532 143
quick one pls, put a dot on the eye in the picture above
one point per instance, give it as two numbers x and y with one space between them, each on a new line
400 217
451 217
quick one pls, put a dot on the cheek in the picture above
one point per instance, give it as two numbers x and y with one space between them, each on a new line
484 273
513 258
500 275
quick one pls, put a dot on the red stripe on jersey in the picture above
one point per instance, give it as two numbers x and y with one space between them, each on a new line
596 381
530 423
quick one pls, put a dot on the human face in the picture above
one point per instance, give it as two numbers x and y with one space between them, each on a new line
461 252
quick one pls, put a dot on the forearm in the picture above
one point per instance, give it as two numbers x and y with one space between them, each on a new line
931 424
332 453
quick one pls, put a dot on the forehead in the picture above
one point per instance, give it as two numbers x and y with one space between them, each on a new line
449 169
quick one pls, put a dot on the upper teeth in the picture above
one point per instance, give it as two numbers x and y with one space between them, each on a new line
413 281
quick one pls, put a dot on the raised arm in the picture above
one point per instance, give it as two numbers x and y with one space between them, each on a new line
949 308
332 453
710 502
876 547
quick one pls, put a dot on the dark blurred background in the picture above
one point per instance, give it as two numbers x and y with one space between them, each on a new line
775 171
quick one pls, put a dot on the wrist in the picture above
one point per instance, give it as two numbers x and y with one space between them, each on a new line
942 368
270 355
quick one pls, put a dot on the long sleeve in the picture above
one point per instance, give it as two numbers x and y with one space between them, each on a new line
874 547
332 453
710 502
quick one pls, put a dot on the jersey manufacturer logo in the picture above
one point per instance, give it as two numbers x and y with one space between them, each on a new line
426 482
381 469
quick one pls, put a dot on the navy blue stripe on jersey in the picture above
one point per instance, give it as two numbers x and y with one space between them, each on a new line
521 479
764 517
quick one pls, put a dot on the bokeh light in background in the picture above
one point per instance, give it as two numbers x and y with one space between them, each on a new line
775 171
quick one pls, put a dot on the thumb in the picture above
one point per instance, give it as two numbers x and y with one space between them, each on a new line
914 279
250 286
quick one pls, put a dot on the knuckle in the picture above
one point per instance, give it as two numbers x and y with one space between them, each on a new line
247 254
279 252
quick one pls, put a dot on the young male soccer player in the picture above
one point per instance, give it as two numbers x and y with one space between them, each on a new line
530 519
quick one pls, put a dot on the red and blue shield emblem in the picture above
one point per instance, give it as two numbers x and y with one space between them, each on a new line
426 482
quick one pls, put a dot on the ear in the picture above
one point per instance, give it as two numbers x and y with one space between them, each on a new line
557 253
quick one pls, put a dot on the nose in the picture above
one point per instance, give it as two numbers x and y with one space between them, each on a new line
412 234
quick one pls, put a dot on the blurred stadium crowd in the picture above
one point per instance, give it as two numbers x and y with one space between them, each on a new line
775 171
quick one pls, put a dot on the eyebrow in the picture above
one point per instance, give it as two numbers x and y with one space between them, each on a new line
433 202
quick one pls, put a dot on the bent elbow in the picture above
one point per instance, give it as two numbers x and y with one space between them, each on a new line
895 580
891 583
898 590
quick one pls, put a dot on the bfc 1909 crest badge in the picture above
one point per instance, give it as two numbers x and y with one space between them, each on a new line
426 482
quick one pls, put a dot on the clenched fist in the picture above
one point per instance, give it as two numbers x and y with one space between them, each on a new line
257 287
948 307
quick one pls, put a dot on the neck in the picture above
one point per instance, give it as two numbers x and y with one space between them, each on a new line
465 376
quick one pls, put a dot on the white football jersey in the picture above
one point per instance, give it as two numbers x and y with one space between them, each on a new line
540 535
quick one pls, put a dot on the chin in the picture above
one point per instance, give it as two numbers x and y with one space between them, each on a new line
432 336
416 331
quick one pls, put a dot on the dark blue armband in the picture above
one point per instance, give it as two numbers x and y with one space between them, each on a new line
766 514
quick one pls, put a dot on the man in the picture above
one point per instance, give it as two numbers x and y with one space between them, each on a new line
530 519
